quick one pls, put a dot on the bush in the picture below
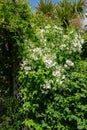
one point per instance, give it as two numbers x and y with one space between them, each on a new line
47 71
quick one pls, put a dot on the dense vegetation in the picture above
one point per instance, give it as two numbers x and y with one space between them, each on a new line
43 66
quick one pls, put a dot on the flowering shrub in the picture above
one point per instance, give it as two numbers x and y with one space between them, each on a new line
54 53
47 65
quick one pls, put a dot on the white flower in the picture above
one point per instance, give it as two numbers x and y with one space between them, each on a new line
25 62
55 27
56 73
26 68
65 66
58 28
35 57
26 72
61 82
48 26
62 46
65 37
43 40
68 48
49 61
44 92
42 31
48 84
63 77
77 45
69 63
37 50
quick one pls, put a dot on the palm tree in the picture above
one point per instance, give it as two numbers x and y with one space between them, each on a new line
66 10
47 7
79 6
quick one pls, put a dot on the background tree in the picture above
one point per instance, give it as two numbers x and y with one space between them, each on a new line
66 10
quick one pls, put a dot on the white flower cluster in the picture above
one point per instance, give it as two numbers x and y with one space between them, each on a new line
72 43
25 62
49 60
25 66
56 73
47 85
63 46
54 31
35 53
77 43
57 28
47 27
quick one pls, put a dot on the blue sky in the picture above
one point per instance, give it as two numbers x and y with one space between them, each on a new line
34 2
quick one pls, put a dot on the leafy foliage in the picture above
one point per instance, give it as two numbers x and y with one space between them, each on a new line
50 73
11 117
14 24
